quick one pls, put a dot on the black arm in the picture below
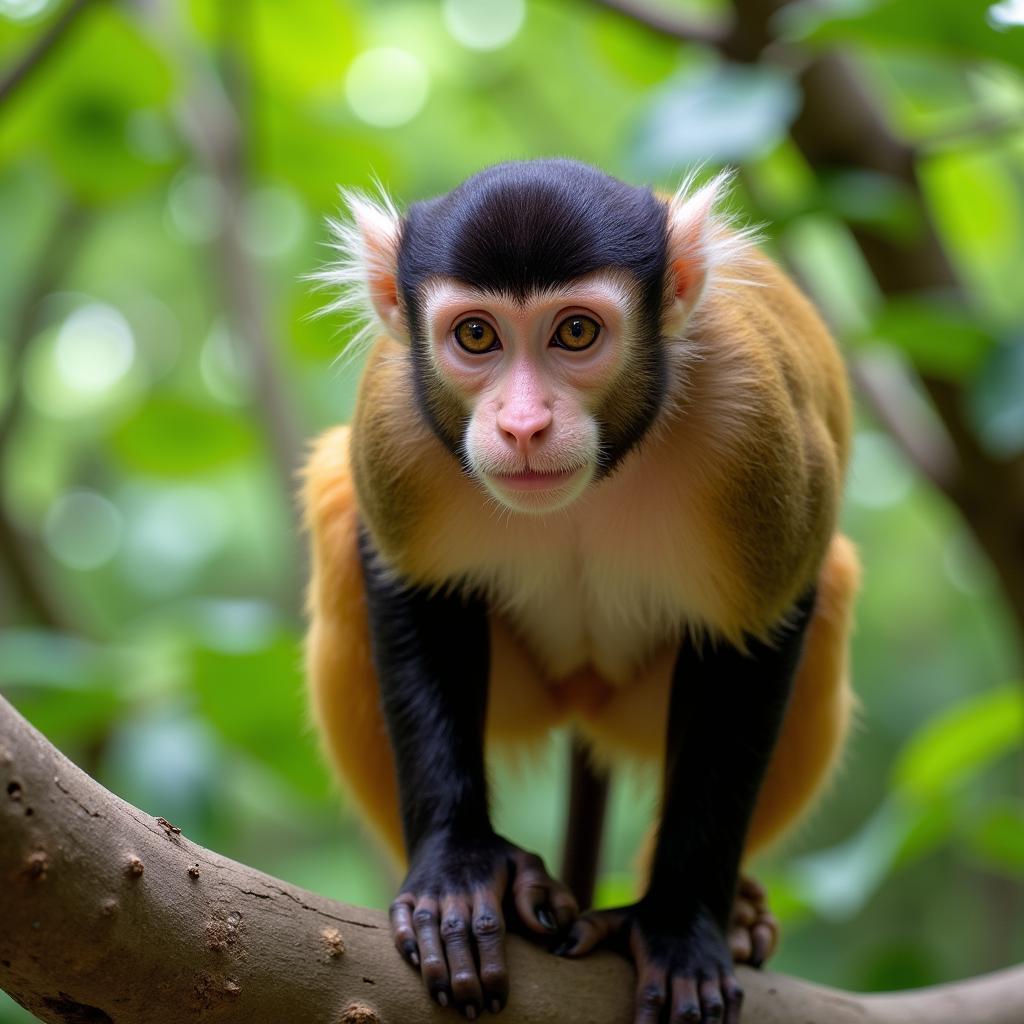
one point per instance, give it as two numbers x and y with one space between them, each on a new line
431 650
726 710
432 653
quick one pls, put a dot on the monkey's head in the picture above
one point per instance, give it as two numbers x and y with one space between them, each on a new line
543 304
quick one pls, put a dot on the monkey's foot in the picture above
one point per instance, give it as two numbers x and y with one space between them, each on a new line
753 930
683 968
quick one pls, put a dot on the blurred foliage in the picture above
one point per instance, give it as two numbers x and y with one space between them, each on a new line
149 504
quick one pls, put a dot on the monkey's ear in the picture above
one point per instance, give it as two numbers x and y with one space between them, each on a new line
366 268
700 240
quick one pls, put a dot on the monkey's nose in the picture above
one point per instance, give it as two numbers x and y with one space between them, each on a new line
524 429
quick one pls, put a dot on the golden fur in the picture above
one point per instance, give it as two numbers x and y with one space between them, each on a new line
719 520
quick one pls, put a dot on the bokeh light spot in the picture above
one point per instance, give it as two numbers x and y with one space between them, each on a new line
273 221
94 349
83 530
195 205
386 87
1006 14
484 24
171 533
226 376
21 10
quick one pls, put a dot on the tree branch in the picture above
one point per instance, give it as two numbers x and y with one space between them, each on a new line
210 122
17 553
41 49
905 416
112 915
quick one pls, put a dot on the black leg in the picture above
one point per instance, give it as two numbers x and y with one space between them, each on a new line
584 826
726 708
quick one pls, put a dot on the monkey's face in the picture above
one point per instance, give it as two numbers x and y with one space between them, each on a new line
528 381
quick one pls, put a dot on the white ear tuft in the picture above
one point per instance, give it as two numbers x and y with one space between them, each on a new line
365 268
701 240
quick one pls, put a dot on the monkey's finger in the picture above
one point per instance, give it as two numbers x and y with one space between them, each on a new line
590 930
433 966
732 993
533 907
530 895
543 904
740 944
744 912
458 949
764 937
651 993
685 1001
752 890
564 903
711 1002
402 931
489 933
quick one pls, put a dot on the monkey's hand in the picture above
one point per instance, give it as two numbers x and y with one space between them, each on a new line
447 921
683 967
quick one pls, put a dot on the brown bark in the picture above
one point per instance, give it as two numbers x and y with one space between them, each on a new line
111 916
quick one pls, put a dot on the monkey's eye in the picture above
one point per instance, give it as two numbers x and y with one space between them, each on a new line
576 333
476 336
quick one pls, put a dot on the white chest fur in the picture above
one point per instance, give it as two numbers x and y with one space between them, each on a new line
607 582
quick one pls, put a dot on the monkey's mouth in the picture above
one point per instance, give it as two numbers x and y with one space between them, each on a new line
533 480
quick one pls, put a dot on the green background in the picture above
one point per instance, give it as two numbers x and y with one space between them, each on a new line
165 175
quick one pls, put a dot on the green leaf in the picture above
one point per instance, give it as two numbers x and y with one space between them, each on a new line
839 880
84 112
172 436
975 197
937 336
956 28
256 701
631 50
303 45
314 147
726 113
996 399
39 658
997 838
67 688
960 742
874 200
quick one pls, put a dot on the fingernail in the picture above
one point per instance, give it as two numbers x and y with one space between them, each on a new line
562 948
414 958
495 1006
442 998
470 1012
547 919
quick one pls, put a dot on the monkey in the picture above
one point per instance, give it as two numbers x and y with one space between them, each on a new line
592 479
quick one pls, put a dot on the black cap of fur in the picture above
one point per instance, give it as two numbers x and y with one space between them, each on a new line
520 227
